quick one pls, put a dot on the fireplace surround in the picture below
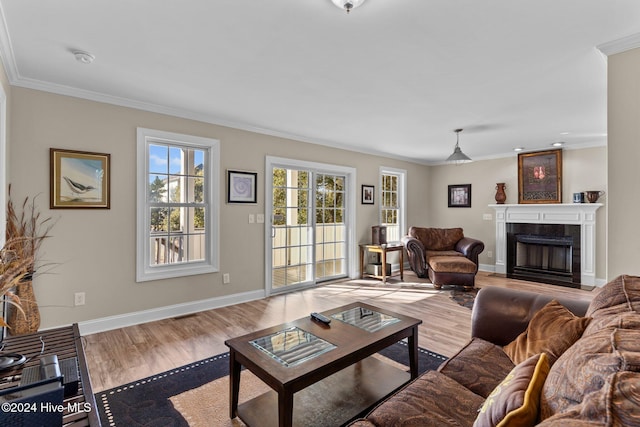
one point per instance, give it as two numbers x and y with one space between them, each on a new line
549 221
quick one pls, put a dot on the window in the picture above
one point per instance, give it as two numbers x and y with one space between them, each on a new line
178 182
392 202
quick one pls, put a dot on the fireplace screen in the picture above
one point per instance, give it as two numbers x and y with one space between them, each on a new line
547 253
541 254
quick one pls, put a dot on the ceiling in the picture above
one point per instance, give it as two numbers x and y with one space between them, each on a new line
393 77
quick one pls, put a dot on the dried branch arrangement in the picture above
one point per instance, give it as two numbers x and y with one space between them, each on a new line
26 230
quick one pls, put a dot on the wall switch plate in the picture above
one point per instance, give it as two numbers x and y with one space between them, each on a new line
226 278
79 298
260 218
487 217
489 254
252 218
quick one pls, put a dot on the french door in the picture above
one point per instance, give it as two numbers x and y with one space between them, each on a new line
309 207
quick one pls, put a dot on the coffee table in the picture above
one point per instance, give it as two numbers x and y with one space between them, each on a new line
327 367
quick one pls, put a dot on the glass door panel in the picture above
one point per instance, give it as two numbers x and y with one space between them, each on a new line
292 232
309 234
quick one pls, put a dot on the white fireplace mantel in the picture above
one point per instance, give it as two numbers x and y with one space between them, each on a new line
582 214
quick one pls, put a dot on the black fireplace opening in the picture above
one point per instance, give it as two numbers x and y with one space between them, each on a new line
547 253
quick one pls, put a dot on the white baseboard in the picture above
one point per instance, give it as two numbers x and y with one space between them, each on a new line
491 268
136 318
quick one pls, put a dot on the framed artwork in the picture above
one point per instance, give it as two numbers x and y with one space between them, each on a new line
540 177
368 192
241 187
460 196
79 179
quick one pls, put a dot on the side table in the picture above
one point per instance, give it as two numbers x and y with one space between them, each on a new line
382 250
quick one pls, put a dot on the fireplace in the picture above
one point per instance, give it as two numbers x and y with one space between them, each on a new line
548 253
542 259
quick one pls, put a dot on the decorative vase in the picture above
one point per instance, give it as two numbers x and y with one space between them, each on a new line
592 196
500 194
29 322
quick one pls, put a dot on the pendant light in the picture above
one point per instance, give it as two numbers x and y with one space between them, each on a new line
347 4
458 157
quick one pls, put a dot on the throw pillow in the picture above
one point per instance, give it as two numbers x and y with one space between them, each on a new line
552 330
515 401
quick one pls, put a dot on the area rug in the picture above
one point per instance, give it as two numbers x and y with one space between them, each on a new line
198 394
464 298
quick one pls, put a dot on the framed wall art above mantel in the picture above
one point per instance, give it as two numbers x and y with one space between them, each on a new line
540 177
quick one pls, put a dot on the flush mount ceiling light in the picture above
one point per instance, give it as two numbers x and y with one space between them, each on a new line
458 157
84 57
347 4
557 144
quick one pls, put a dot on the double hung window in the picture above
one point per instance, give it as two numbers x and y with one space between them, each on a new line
177 205
392 202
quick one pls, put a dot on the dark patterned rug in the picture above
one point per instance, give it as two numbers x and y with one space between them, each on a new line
147 402
464 298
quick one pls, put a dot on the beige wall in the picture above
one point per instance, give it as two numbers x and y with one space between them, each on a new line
94 250
583 169
624 166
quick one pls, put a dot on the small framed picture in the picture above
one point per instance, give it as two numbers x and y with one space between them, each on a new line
460 196
368 192
79 179
241 187
540 177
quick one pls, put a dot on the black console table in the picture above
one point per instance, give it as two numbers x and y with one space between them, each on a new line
65 343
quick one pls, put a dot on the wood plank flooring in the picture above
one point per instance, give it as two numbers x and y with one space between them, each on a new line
127 354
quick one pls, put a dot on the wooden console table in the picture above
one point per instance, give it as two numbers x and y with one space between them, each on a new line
65 343
382 250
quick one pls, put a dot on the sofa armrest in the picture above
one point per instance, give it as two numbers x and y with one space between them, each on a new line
470 248
416 255
500 315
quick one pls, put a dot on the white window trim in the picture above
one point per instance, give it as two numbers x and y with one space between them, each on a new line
144 271
402 195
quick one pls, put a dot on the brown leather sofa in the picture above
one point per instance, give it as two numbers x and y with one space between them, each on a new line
443 254
592 381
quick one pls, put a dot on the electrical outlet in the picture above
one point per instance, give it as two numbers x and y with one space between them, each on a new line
490 254
226 278
79 298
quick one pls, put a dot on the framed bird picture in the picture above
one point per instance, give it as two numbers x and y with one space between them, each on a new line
80 179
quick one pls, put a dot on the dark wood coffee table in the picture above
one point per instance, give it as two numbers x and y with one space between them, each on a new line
328 368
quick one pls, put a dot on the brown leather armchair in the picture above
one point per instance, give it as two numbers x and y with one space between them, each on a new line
445 255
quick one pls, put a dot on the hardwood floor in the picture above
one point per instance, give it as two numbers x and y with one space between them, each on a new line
127 354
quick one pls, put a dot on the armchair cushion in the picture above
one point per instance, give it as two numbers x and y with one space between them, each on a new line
431 254
437 239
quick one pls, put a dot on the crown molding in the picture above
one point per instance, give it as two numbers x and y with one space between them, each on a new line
620 45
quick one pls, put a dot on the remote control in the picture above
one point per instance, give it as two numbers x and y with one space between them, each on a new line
320 318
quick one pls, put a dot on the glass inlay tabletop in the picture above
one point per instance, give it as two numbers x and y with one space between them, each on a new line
369 320
292 346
